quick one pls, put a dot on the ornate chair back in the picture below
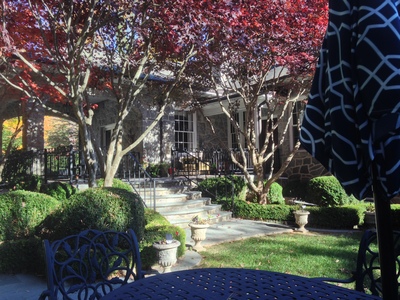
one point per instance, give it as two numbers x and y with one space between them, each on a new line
90 264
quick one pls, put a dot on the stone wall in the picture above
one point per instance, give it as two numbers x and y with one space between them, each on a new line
155 147
304 167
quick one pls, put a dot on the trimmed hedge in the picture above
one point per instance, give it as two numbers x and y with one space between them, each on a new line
95 208
255 211
320 217
344 217
21 211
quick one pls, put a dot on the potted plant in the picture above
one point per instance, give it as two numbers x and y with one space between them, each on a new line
301 218
167 252
369 216
198 227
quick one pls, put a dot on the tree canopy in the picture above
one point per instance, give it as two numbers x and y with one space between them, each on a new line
67 51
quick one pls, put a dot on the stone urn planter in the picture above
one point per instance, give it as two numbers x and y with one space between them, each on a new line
167 253
198 234
301 218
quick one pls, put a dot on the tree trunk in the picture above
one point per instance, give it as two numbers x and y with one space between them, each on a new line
90 158
111 170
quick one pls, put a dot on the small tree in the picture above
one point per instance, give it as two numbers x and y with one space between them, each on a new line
260 61
67 51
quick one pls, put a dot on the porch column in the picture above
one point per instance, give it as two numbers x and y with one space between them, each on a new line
33 133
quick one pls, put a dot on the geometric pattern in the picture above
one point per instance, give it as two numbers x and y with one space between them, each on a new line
352 118
231 283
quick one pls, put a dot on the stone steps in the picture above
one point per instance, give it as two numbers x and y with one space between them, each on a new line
178 204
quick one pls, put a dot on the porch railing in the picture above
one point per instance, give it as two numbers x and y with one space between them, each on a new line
140 180
207 162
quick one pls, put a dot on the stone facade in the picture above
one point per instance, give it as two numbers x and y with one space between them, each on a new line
304 167
155 147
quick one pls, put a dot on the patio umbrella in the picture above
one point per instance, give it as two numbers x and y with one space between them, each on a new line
351 122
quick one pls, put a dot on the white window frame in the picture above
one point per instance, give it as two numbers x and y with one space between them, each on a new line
192 119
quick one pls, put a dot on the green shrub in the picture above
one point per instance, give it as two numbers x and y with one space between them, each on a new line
395 209
117 183
320 217
21 211
58 190
275 194
16 172
96 208
326 191
22 256
158 170
221 187
255 211
327 217
156 228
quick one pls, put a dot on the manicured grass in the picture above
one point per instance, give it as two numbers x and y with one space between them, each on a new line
309 255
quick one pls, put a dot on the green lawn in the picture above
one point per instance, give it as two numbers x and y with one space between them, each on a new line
309 255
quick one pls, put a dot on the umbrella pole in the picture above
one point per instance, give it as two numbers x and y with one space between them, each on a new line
385 241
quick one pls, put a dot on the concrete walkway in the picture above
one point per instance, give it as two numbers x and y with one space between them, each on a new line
29 287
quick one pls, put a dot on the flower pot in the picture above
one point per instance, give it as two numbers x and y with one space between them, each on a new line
167 254
301 217
198 235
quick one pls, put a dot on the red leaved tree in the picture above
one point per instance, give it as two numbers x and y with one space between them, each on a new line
83 46
260 60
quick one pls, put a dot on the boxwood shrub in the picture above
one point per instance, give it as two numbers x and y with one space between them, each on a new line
326 191
22 256
255 211
117 183
320 217
59 190
344 217
275 194
221 187
95 208
21 211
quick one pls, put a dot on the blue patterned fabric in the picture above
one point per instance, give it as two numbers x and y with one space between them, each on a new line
352 118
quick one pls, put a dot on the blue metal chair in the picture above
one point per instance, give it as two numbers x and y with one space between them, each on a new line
367 274
90 264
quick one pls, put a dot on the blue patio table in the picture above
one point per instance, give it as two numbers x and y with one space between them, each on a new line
231 283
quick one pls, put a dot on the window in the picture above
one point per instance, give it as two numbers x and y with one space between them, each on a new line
106 132
184 131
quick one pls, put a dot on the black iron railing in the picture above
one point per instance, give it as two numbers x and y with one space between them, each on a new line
207 162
